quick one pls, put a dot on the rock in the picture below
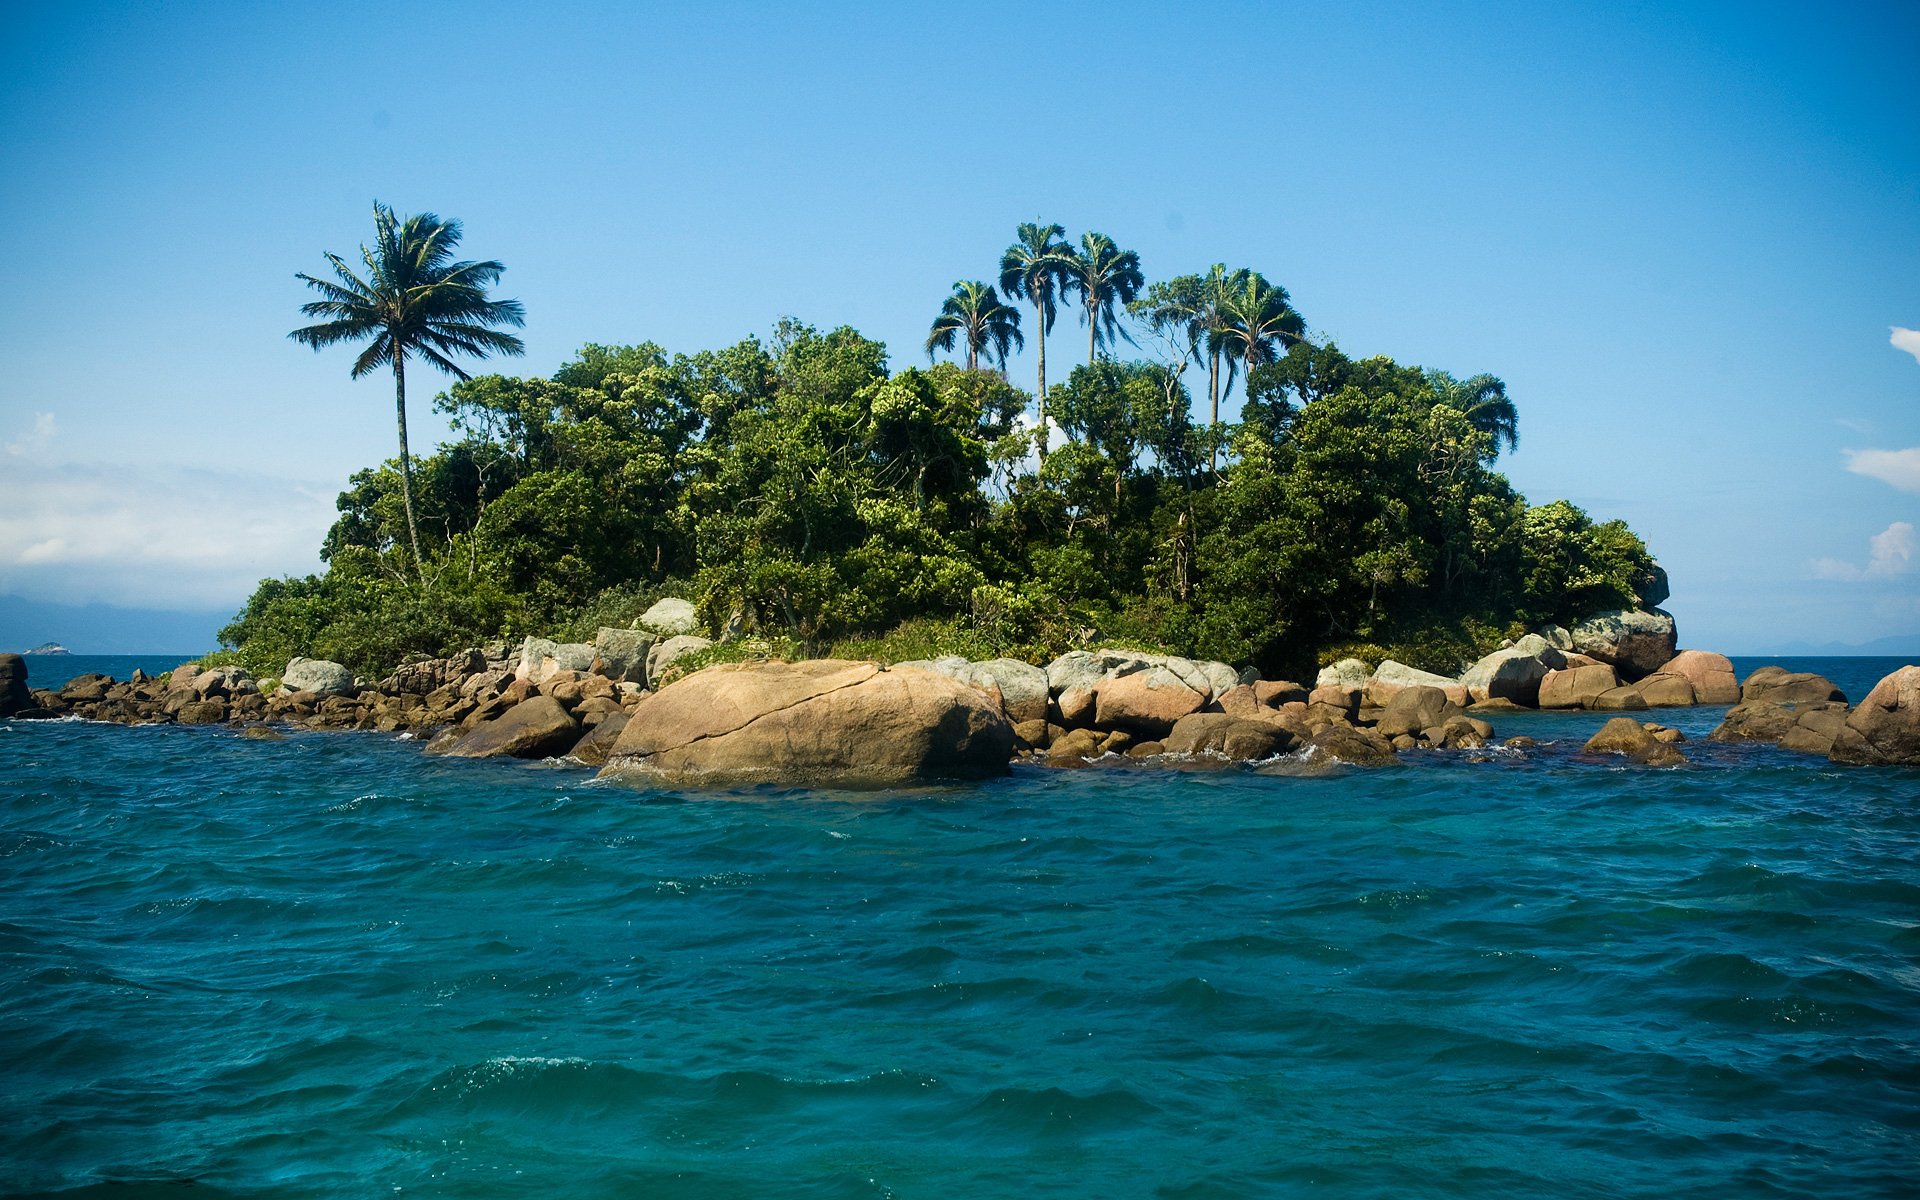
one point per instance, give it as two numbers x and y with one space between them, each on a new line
540 658
1348 672
1520 743
1146 703
1390 677
1514 673
671 617
1023 687
1275 692
15 695
622 653
1577 687
1885 728
1710 674
1636 642
1077 744
91 686
1619 699
1764 721
1034 733
1777 685
263 733
1815 731
1661 690
1642 743
596 745
1146 749
1360 748
1338 695
1224 734
316 675
429 675
1557 637
665 654
534 728
202 712
1499 704
1415 709
825 722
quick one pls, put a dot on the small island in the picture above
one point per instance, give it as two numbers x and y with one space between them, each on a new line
48 650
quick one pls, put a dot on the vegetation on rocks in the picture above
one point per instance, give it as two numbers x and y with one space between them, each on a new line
807 492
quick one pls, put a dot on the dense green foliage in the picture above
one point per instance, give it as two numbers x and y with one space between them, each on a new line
809 498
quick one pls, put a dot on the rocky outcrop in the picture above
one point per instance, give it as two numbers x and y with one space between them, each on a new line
1711 676
538 727
666 653
1885 728
427 675
1390 678
15 695
1642 742
1777 685
621 654
1577 687
540 658
1348 672
671 617
1765 721
1513 673
825 722
1240 738
316 675
1020 689
1664 690
1635 642
1145 703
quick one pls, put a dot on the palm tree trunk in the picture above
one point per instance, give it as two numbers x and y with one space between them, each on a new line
1039 325
1093 326
1213 420
406 461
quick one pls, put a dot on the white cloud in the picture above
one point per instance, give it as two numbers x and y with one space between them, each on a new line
1906 339
1889 554
1856 424
36 440
153 537
1900 468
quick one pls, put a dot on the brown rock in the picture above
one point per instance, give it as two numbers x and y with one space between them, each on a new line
1225 734
826 721
202 712
1885 728
1620 699
1767 722
1076 744
15 695
1662 690
1710 674
1622 735
1146 749
1777 685
596 745
1414 709
1242 700
1032 733
1275 692
1336 695
1498 704
534 728
1577 687
1146 702
1360 748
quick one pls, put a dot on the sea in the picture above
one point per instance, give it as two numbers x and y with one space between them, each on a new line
330 966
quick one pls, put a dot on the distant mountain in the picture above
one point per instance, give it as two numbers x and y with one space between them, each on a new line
48 650
104 629
1900 645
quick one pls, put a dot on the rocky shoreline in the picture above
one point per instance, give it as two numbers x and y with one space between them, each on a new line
622 704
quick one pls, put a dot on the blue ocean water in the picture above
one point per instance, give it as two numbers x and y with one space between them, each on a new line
330 967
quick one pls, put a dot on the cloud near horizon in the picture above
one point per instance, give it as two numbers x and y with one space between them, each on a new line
153 537
1905 339
1896 468
1889 554
36 440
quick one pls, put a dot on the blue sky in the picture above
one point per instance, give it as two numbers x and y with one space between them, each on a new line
1684 234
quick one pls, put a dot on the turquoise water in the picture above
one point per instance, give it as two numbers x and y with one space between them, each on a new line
330 966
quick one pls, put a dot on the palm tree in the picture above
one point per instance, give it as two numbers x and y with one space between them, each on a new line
414 300
1484 401
1106 277
1216 289
1035 268
976 314
1260 321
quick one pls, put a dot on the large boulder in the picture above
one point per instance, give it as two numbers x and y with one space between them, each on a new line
1664 690
537 727
1232 737
1710 674
1348 672
426 676
316 675
1765 721
540 659
1636 641
1638 741
1145 703
1777 685
665 653
1390 678
622 653
671 617
1415 709
1515 672
596 745
15 696
1577 687
824 722
1023 687
1885 728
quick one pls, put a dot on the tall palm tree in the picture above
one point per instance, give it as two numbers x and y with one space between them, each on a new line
1035 269
1484 401
1106 278
1216 290
1260 321
976 315
415 299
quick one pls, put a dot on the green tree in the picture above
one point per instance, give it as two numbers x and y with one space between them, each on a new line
976 316
1106 278
1484 400
415 299
1035 268
1260 322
